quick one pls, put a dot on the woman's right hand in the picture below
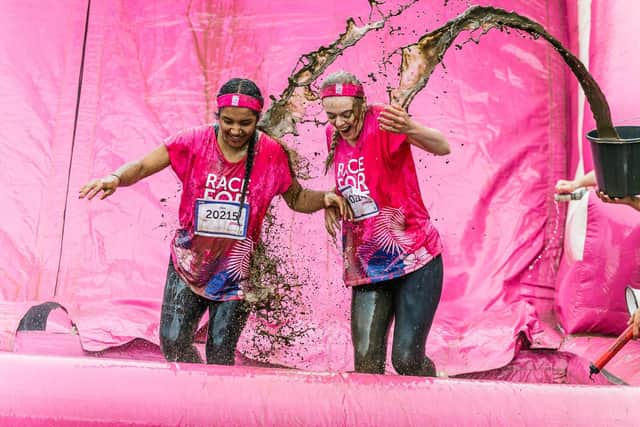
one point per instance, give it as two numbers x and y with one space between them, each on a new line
107 185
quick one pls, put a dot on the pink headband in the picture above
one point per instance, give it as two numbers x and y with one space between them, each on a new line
342 89
239 100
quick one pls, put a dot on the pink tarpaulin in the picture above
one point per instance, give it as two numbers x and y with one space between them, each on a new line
590 290
613 67
601 250
41 48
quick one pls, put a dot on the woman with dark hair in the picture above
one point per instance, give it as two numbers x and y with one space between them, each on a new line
391 250
230 172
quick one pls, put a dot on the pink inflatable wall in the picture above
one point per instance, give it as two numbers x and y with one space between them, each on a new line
601 244
151 69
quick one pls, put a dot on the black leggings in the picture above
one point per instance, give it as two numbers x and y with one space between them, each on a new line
181 312
412 300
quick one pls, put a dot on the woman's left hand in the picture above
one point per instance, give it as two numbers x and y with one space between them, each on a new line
331 223
395 119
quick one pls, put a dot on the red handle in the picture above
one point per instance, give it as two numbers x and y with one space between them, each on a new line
624 338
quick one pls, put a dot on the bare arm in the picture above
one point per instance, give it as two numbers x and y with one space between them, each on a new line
395 119
127 174
565 186
308 201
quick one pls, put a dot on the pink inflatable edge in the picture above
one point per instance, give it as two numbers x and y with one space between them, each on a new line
50 390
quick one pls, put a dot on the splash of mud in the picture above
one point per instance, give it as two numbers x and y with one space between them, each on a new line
280 119
281 316
420 59
280 312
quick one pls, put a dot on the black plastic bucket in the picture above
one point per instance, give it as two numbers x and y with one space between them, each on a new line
617 161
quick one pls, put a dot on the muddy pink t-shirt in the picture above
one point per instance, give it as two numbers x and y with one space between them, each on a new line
212 248
392 234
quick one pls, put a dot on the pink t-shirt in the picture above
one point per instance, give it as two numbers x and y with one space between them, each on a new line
211 250
392 234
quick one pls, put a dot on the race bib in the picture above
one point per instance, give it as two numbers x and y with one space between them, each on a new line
362 205
221 219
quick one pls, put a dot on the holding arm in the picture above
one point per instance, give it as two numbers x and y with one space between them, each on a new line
308 201
564 186
127 174
589 180
395 119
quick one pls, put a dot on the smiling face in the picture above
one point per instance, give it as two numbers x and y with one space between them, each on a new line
345 113
237 125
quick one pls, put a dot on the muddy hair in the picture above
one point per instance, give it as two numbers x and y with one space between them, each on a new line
359 106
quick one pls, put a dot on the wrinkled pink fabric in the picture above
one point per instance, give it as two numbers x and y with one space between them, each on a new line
41 46
610 63
625 365
543 367
590 292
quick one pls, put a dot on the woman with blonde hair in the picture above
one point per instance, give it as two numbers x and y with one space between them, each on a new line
391 250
